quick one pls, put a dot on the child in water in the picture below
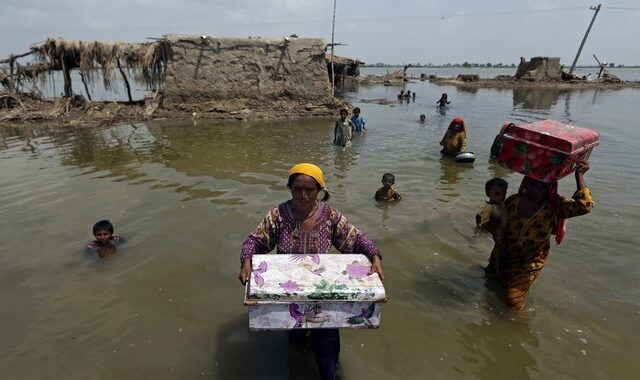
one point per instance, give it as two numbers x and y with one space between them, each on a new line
343 130
443 101
387 192
105 242
491 217
357 120
423 118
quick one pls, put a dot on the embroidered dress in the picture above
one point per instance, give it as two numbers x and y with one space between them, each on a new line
279 230
527 241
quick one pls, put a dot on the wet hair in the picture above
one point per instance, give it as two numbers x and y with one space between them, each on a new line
357 109
293 177
344 110
501 183
389 176
103 225
423 116
444 95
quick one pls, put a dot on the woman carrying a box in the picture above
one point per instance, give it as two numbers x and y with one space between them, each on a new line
307 225
532 215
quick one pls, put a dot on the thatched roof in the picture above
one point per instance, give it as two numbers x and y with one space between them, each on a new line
150 58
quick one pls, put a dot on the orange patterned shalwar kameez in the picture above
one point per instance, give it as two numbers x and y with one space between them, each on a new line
526 242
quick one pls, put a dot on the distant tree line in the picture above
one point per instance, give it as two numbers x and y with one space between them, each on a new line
470 64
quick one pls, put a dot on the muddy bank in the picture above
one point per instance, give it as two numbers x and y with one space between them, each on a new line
77 111
515 83
67 111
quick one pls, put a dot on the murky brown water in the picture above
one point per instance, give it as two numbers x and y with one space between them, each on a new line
168 305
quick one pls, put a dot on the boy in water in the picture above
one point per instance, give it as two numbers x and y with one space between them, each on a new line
443 101
387 192
105 242
423 118
490 218
357 120
343 130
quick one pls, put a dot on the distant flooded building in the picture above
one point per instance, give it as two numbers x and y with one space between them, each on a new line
345 68
539 69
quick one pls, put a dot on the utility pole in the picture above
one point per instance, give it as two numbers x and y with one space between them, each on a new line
575 61
333 29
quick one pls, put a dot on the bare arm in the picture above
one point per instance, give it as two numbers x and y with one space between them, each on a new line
581 202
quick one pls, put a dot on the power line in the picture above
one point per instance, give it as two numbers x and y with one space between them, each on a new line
622 8
307 22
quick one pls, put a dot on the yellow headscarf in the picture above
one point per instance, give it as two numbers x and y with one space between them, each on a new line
311 170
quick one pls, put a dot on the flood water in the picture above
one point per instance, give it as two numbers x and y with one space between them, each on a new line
185 195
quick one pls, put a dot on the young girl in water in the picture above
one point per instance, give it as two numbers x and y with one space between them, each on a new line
443 101
491 218
387 192
105 242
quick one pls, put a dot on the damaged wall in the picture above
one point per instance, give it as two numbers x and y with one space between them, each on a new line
252 75
539 69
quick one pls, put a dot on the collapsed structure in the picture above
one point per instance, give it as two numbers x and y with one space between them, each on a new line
256 75
190 75
539 69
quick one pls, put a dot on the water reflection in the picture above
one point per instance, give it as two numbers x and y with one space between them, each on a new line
498 345
469 90
241 354
496 170
343 159
386 208
535 98
450 170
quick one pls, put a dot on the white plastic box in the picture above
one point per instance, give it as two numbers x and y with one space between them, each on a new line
288 292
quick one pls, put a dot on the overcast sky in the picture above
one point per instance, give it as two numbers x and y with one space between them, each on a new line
375 30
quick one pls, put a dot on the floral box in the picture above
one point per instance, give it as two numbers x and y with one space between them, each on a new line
313 291
546 150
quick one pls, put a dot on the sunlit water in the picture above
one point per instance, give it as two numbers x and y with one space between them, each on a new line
169 305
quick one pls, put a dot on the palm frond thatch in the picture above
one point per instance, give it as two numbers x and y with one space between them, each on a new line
88 57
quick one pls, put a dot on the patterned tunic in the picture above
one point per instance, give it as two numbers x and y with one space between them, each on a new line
527 241
279 230
454 144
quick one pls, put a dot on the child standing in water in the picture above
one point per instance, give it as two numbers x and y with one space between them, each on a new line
357 120
443 101
343 130
105 242
491 217
387 192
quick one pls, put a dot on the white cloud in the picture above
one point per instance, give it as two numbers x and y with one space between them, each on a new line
376 30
